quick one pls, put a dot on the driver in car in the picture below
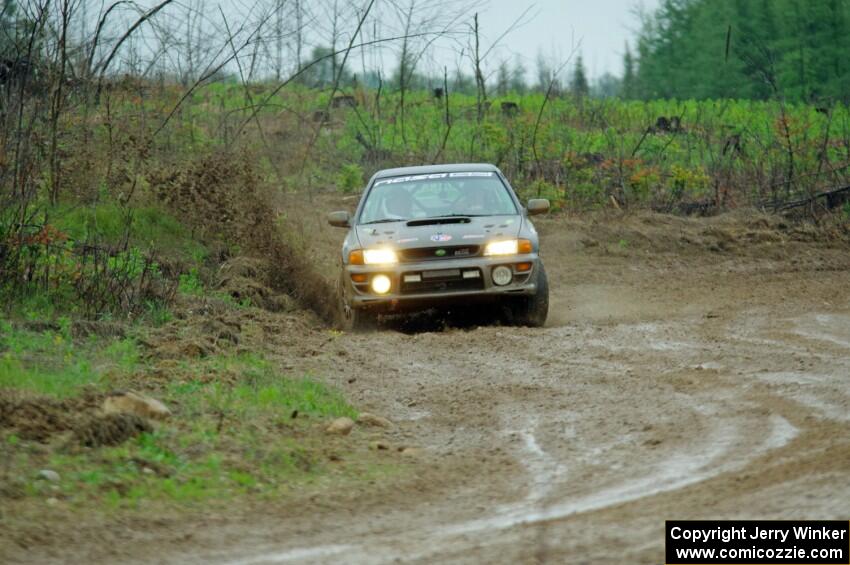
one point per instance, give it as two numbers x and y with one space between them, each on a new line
399 204
475 200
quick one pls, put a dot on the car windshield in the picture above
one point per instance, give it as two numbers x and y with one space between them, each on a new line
437 195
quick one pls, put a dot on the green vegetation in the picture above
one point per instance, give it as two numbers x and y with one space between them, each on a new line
148 228
52 363
190 283
239 426
733 49
665 154
259 388
155 197
199 467
350 177
151 207
99 260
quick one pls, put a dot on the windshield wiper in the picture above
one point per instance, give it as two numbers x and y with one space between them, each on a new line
384 221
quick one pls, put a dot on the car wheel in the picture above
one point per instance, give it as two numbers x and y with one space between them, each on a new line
353 319
363 320
533 310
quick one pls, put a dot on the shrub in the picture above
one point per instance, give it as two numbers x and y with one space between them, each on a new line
350 178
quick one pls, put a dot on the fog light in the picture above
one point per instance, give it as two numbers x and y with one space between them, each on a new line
381 284
502 275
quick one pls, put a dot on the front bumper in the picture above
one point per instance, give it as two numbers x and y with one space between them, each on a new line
441 282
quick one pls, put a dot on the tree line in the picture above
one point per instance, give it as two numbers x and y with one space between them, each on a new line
797 50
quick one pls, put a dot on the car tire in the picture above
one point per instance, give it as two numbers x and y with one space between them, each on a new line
533 310
362 321
353 319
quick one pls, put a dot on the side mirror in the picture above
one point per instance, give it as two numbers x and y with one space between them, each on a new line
537 206
339 219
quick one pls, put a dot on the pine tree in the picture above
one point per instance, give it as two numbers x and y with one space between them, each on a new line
578 84
544 73
518 73
796 49
606 86
503 79
322 73
628 90
7 28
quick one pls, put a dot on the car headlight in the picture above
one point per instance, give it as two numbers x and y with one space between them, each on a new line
379 257
508 247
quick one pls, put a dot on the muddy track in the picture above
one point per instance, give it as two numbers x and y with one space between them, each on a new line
673 382
682 385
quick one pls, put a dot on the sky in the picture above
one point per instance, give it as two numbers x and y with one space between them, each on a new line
601 27
598 29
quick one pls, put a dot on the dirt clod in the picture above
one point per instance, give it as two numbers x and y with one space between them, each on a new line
111 429
135 403
340 426
368 419
36 418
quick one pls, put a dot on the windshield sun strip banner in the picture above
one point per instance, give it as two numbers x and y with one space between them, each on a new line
434 176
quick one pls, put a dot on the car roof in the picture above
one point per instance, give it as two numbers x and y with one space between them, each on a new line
429 169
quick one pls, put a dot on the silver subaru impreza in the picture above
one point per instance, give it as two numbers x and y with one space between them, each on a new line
439 236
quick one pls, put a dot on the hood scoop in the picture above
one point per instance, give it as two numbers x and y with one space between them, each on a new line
438 221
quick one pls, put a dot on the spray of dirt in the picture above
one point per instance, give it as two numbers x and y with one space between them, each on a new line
224 199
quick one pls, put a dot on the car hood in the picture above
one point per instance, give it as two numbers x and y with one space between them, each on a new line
469 231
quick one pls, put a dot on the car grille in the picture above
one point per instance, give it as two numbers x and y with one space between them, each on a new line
442 281
437 253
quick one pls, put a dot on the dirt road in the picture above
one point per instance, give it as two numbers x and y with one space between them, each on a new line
690 370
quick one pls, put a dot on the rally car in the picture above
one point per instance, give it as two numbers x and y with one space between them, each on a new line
439 236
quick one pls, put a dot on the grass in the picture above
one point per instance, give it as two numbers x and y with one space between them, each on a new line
151 228
247 388
52 363
196 468
239 428
145 244
190 283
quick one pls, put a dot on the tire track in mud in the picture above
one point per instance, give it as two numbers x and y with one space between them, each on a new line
678 472
735 419
653 390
